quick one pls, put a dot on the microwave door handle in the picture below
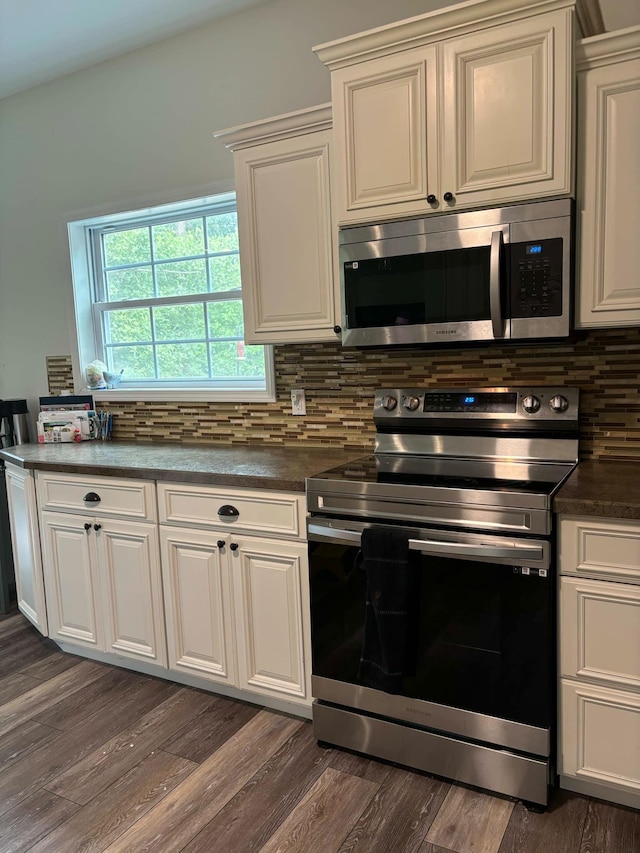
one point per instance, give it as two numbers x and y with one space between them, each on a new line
495 284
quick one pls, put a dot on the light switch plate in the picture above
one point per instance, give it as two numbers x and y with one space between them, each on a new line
298 402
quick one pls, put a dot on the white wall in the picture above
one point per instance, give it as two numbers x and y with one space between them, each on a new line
139 128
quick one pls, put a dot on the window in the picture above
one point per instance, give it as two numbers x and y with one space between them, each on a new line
159 300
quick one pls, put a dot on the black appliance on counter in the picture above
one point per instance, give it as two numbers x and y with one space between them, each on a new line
14 429
464 480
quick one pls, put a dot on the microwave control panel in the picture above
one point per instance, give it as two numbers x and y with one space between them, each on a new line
536 278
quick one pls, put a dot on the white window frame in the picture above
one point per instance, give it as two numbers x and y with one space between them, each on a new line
88 327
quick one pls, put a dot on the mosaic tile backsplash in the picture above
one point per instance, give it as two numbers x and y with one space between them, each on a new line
339 385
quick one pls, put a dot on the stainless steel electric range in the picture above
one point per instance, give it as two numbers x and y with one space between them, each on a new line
433 581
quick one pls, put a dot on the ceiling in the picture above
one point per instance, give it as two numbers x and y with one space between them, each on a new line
41 40
44 39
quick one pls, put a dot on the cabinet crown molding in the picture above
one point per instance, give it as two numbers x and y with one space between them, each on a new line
309 120
619 46
448 22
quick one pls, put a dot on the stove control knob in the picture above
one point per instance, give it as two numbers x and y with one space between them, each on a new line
531 404
411 403
559 403
389 403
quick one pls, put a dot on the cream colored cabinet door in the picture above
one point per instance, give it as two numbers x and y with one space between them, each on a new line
288 260
600 638
25 538
130 589
197 597
507 112
285 231
71 581
608 292
601 740
271 595
386 137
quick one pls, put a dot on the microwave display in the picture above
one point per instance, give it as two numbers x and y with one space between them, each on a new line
536 279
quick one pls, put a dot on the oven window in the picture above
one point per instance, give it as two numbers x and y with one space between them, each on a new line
482 640
433 287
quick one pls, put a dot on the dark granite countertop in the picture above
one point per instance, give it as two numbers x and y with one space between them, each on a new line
265 466
608 489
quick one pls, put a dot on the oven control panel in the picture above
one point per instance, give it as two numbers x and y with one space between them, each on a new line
468 401
553 404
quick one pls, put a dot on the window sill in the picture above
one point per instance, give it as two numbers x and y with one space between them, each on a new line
186 395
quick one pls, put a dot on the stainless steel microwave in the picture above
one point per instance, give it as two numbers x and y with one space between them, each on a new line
487 275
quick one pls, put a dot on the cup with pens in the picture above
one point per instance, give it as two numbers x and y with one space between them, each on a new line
102 425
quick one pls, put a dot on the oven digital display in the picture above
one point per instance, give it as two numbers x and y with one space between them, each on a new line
452 401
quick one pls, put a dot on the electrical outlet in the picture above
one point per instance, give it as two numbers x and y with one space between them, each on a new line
298 402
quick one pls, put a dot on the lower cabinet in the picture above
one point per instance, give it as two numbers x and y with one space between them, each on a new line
25 538
218 591
103 584
601 740
599 689
237 610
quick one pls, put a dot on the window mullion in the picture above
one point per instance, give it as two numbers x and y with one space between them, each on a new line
208 336
191 298
154 277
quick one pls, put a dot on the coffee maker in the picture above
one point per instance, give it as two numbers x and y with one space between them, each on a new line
14 426
14 429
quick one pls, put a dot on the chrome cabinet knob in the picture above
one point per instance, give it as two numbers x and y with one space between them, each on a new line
531 404
389 403
411 403
558 403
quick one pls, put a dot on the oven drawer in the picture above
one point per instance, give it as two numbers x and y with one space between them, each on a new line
607 549
600 631
264 512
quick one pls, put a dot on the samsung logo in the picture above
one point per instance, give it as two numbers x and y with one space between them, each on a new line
410 710
447 332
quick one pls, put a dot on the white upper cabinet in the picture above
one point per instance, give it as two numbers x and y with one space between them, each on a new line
608 185
285 226
464 107
507 112
382 111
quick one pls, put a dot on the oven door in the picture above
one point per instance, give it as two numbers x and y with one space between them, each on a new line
482 667
439 287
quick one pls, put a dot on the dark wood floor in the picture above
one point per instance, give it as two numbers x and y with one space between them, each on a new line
96 758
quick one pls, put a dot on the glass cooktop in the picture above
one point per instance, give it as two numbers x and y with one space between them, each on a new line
455 474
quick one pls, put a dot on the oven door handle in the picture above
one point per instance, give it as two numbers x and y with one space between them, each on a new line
432 546
463 549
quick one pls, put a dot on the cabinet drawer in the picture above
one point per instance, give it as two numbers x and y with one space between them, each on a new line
268 513
118 497
600 631
603 549
600 736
